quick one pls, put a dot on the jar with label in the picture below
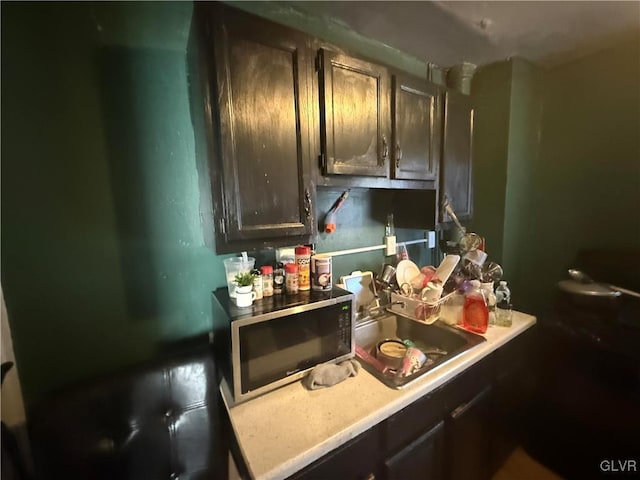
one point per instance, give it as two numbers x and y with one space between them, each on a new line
303 260
321 278
475 314
267 280
291 278
278 279
257 284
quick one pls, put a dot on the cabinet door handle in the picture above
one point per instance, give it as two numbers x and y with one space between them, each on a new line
398 154
307 203
385 149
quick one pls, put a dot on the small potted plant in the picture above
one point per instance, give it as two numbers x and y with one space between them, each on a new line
244 279
244 285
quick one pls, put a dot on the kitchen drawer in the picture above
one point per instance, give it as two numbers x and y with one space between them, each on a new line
412 421
421 459
356 460
466 385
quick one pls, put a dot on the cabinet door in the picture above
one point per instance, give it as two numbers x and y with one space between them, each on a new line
456 166
417 123
356 460
514 388
469 439
354 115
421 459
262 70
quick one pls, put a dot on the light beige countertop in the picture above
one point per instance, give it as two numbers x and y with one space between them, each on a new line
285 430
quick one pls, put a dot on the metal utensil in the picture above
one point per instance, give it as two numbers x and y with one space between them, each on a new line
579 276
388 272
468 241
582 277
435 351
446 204
491 272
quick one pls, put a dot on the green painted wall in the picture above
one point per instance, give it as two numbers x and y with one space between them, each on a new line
557 165
508 101
103 256
524 150
102 251
360 224
586 183
492 100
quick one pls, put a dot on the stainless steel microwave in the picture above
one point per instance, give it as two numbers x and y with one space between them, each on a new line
280 338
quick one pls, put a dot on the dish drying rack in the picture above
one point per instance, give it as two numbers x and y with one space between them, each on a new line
416 308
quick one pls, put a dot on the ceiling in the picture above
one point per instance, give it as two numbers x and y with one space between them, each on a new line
449 32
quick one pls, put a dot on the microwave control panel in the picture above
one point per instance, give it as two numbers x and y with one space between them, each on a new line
344 324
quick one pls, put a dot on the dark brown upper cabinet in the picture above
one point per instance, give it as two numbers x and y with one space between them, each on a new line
262 75
456 180
417 128
354 116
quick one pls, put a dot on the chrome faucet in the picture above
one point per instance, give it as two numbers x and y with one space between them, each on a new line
378 309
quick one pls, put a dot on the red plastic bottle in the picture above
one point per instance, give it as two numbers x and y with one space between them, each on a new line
475 313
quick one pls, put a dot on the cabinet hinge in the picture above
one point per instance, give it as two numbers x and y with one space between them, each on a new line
323 160
223 228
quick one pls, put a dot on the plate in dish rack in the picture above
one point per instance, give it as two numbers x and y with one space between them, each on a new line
406 271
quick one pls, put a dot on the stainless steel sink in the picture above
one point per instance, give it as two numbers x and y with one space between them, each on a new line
435 337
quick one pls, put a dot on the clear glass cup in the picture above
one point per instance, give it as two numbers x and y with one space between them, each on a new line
234 266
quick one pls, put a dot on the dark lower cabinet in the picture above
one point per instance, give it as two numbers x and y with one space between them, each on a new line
514 385
463 430
356 460
469 439
423 458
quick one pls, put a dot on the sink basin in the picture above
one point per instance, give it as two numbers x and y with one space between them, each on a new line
448 342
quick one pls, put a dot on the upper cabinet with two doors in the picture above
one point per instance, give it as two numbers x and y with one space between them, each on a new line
376 123
285 112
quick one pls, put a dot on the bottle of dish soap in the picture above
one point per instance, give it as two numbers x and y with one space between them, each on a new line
475 313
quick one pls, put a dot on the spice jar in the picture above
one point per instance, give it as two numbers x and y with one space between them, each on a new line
267 280
303 260
291 278
278 279
257 284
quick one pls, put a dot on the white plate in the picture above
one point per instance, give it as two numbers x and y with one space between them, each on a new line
446 267
405 271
